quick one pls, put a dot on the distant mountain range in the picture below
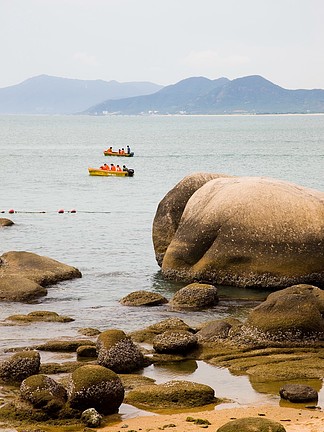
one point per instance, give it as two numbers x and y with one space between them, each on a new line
248 95
197 95
45 94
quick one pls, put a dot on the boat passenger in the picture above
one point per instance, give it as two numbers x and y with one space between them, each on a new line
102 167
119 151
118 168
128 149
112 167
125 168
122 151
106 167
110 150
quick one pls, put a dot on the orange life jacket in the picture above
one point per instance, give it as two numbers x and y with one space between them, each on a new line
113 168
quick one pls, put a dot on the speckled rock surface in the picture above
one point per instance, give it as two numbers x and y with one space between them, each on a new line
172 342
94 386
118 352
195 296
43 392
20 366
294 313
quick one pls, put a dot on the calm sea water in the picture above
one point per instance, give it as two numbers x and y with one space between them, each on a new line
44 163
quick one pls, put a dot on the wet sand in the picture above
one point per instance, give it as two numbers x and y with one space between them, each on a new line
293 420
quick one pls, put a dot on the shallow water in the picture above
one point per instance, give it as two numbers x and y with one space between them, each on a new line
44 163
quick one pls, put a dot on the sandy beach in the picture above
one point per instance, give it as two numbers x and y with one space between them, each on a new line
294 420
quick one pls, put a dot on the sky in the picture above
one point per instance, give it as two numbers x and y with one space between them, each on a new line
163 41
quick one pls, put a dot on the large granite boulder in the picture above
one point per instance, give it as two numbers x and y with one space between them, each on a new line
118 352
20 289
243 231
20 366
24 274
294 313
252 424
172 394
170 209
94 386
40 269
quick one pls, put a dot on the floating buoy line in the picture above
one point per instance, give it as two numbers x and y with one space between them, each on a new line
60 211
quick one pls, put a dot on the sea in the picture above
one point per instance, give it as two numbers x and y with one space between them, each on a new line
106 227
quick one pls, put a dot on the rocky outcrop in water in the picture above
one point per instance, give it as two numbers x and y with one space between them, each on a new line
195 296
243 231
171 342
143 298
36 316
170 324
4 222
118 352
23 275
295 313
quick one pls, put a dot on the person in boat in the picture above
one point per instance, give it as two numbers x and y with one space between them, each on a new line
102 167
125 168
122 151
106 167
118 168
110 150
128 149
112 167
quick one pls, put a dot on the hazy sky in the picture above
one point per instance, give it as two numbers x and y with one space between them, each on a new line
163 41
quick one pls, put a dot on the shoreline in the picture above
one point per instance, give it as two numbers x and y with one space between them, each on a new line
293 419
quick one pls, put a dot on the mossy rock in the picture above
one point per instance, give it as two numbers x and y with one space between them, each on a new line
89 331
195 296
20 366
43 392
173 394
143 298
45 316
62 368
252 424
175 342
133 381
94 386
148 334
64 345
118 352
86 351
294 313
